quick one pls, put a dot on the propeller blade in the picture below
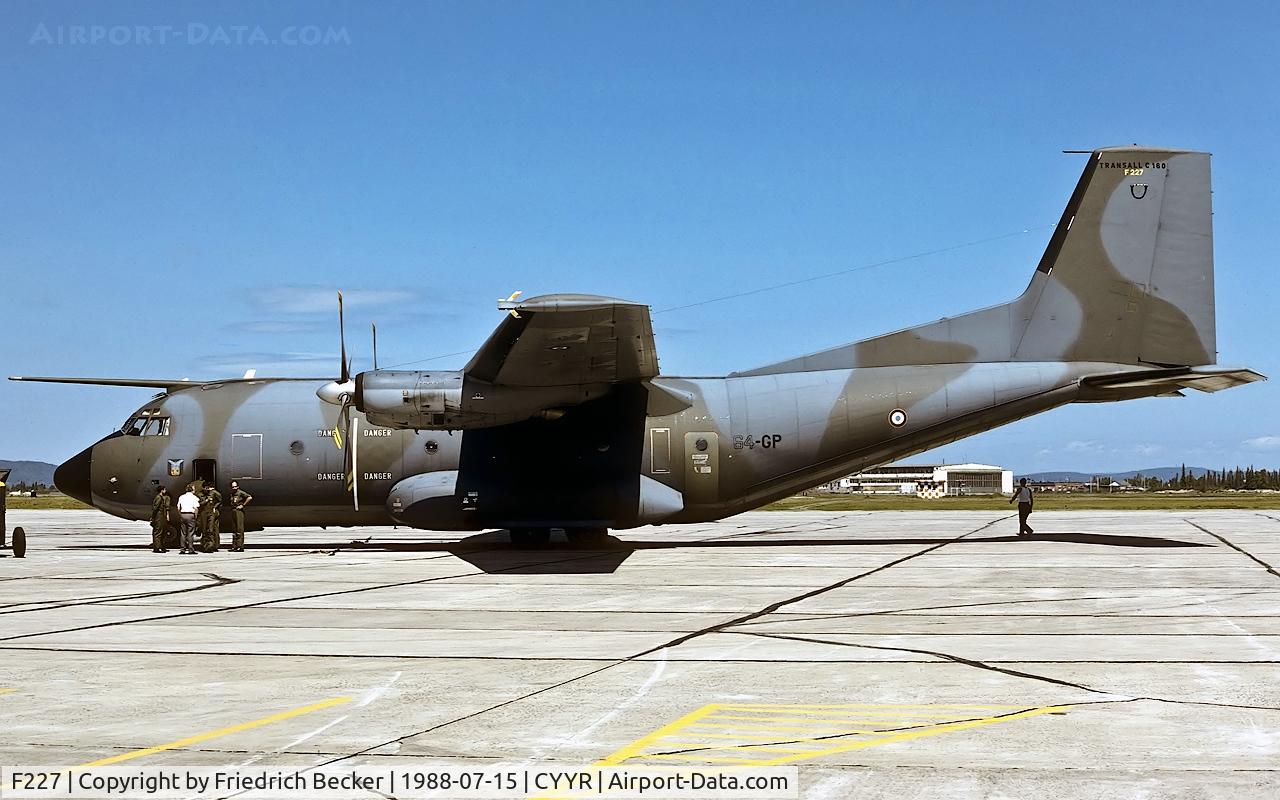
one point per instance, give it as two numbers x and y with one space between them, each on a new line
342 337
342 423
354 451
374 325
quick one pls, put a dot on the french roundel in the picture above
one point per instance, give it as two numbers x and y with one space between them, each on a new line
897 418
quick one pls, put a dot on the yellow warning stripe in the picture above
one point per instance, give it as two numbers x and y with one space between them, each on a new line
204 737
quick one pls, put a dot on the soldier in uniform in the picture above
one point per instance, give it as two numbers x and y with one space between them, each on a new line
210 500
239 499
160 520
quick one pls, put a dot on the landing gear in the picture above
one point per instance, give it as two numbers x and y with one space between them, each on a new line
530 538
587 537
19 543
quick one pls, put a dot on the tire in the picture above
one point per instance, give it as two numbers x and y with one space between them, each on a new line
19 543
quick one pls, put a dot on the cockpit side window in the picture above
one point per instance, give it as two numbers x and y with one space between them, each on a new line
146 423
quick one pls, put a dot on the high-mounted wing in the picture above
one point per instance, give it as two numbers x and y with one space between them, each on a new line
567 339
168 384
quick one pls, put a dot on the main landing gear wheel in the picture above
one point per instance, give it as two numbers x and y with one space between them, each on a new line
587 537
19 543
530 537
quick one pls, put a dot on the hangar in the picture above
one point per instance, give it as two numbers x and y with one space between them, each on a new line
927 480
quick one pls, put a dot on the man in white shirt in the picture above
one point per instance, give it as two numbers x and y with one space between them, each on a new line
1023 496
188 505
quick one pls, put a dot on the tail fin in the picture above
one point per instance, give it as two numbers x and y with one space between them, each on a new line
1128 274
1127 278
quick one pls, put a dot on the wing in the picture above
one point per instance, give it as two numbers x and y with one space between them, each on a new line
567 340
146 383
168 384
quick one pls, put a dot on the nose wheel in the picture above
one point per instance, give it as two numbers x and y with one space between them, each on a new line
18 545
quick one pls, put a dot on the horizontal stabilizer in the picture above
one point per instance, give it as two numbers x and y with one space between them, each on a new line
1137 383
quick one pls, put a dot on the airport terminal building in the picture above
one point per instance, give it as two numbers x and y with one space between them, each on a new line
927 480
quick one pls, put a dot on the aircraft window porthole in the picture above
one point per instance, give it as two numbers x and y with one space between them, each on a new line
701 444
296 447
432 445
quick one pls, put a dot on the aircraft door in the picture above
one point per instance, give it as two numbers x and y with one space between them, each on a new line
701 467
205 469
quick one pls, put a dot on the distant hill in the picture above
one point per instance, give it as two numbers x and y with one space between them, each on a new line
1163 473
29 472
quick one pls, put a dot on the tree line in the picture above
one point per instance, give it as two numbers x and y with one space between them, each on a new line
1224 479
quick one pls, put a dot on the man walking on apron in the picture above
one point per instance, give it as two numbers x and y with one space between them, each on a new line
1023 496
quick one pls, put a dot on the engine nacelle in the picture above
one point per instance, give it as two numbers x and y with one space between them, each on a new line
451 401
410 399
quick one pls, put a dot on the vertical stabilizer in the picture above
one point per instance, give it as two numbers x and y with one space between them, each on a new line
1128 274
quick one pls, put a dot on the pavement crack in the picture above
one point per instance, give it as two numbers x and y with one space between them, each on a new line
772 607
217 580
968 662
834 736
1235 547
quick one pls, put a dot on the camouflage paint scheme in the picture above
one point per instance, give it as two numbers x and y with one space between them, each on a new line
552 425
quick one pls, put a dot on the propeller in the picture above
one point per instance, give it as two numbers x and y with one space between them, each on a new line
342 394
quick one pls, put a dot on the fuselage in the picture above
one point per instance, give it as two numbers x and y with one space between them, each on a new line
743 442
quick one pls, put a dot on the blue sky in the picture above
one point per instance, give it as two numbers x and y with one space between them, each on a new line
185 208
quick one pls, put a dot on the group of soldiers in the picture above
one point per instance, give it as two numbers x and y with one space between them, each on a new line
206 521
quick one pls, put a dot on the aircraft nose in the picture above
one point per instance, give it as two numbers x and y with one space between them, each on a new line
72 477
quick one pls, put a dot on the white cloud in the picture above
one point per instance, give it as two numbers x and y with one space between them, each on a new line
318 299
1263 443
270 364
1083 446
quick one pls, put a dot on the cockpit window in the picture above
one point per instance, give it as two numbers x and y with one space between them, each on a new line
146 423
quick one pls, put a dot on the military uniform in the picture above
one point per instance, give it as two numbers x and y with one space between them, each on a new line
159 522
239 499
210 499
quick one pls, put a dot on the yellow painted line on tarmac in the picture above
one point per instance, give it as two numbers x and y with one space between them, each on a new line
7 689
683 736
204 737
775 728
685 733
638 746
819 709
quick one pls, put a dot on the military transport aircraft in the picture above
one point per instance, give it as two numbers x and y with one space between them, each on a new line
562 420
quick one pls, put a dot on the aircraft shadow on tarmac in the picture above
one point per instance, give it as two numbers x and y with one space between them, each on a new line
492 552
